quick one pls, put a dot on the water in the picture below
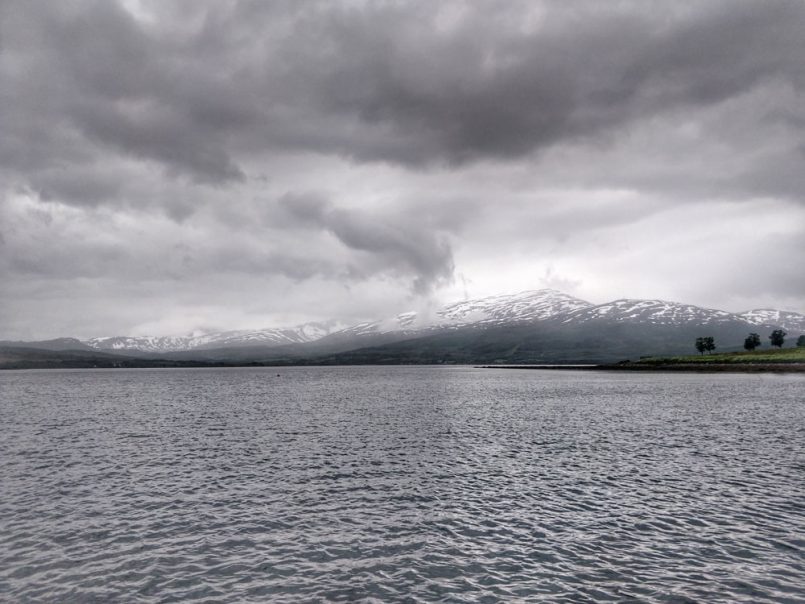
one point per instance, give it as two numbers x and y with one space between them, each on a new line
400 484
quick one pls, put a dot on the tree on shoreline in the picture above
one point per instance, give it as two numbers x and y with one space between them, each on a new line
751 342
777 337
706 343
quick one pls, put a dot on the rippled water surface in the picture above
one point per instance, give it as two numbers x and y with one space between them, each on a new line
389 484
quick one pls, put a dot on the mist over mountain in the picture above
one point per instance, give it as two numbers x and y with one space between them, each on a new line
535 326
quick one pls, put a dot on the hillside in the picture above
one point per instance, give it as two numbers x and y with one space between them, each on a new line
12 357
599 341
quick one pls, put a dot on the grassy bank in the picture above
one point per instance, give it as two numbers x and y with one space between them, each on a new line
783 355
782 360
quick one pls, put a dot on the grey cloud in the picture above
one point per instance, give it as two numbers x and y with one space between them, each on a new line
496 137
85 242
779 270
158 134
306 209
96 261
88 80
296 267
398 243
429 257
383 80
486 89
551 279
782 175
82 187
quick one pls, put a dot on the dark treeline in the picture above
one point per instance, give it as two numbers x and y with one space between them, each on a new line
777 338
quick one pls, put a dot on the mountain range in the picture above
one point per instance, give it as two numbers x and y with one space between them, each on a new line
538 326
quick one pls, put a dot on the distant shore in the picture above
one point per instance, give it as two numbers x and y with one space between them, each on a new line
671 367
780 360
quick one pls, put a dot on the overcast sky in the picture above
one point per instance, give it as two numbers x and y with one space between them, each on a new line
171 166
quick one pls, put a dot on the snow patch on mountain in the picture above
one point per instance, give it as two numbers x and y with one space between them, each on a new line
526 306
263 337
792 322
656 312
404 322
505 309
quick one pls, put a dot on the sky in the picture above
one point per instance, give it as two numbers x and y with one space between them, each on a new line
180 166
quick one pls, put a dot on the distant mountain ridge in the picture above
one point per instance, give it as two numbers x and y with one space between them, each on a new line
263 337
658 312
523 307
502 317
54 344
552 305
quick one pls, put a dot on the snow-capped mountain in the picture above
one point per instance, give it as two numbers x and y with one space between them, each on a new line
225 339
515 308
792 322
552 306
404 322
656 312
542 306
524 307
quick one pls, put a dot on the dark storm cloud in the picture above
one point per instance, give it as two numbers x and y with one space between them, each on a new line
88 80
202 88
487 89
597 145
400 244
58 242
76 186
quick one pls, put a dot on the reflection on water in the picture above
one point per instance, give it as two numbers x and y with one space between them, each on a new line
400 483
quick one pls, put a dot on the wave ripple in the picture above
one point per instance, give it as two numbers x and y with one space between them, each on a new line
391 484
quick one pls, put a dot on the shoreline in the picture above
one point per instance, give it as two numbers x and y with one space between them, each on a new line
669 367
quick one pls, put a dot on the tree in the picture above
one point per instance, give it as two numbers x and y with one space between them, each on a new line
777 337
801 342
706 343
751 342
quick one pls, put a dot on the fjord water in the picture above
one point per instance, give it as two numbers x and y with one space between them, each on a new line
401 483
